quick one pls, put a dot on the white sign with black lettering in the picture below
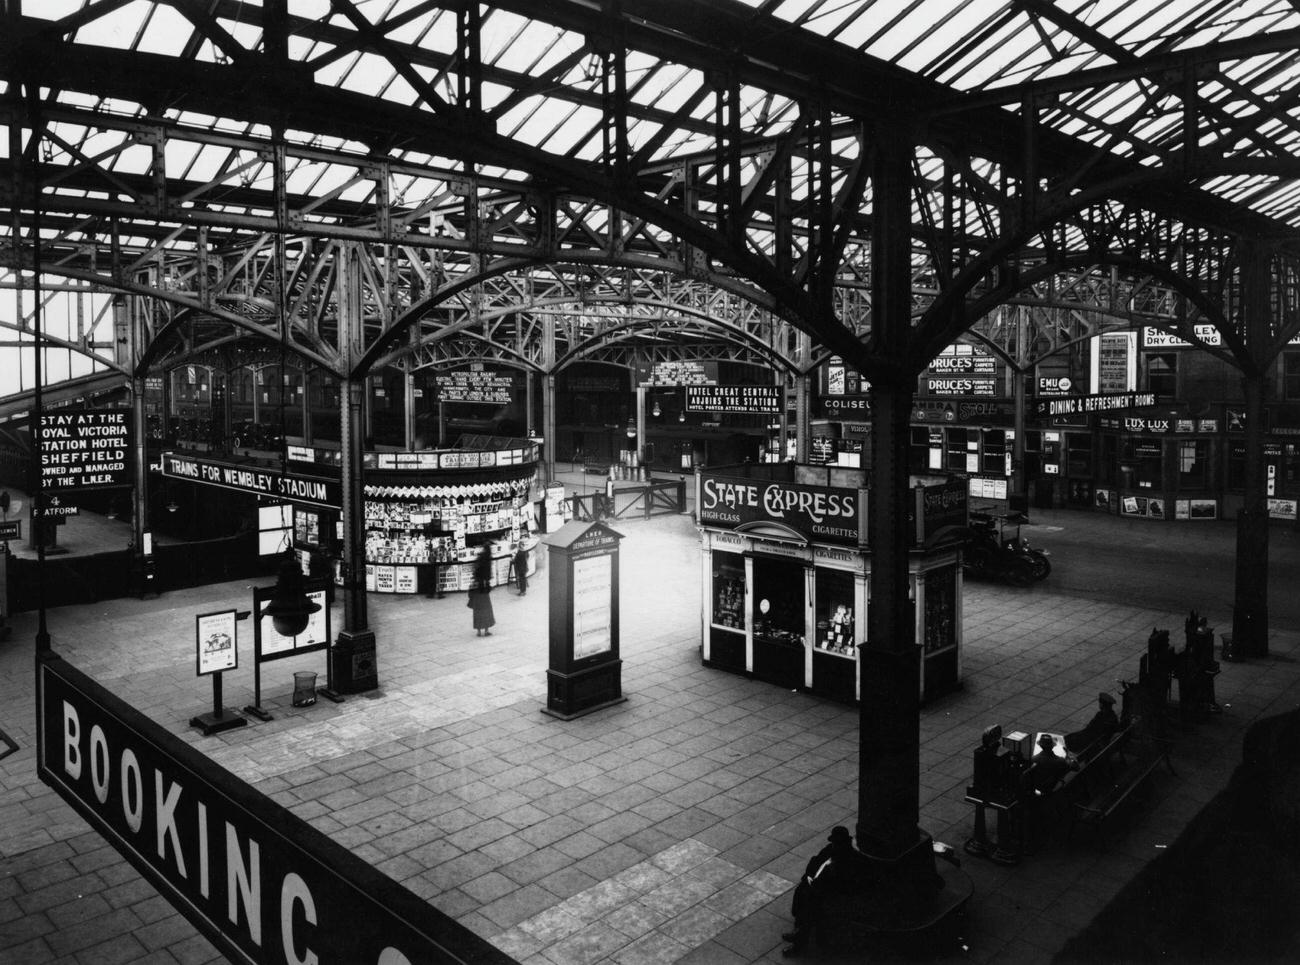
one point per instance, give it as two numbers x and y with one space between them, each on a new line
593 600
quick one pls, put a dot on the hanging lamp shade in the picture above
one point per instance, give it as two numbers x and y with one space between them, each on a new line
290 608
657 410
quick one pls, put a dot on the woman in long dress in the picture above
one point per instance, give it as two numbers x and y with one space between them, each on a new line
480 601
480 597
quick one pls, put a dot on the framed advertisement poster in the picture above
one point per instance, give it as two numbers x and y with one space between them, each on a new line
214 642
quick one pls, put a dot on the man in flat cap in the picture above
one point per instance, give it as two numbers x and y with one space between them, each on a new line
1097 731
838 867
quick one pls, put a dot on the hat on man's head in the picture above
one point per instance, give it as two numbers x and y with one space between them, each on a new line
1106 699
840 833
1046 740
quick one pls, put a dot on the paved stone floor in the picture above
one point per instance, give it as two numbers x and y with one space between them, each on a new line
669 828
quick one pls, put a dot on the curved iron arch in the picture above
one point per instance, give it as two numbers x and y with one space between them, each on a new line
379 353
990 259
188 308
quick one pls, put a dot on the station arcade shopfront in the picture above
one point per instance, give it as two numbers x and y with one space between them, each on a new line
786 568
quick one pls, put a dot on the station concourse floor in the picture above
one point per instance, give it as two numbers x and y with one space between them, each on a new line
669 828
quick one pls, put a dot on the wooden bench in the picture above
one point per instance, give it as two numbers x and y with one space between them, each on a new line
1096 766
1138 761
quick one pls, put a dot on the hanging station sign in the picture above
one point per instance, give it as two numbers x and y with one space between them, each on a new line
681 372
824 514
84 448
1106 402
250 479
766 399
483 387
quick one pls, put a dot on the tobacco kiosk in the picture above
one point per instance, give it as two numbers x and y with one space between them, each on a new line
428 514
785 575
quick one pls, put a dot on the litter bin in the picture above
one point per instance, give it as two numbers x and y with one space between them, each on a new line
304 688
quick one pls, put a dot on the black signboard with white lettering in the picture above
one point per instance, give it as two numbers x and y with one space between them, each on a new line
83 448
55 508
484 387
824 514
262 884
1103 402
734 398
846 406
293 487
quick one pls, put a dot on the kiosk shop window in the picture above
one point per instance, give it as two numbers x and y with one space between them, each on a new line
835 619
1193 461
940 609
779 600
729 590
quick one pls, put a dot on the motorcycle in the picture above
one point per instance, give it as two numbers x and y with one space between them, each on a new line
992 552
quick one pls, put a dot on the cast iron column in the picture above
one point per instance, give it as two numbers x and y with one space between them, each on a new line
354 666
1019 483
1250 606
140 494
549 441
889 741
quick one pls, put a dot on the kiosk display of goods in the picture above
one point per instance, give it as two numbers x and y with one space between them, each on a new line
786 569
429 514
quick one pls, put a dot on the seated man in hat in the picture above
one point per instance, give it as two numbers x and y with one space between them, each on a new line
1104 724
1037 783
838 867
